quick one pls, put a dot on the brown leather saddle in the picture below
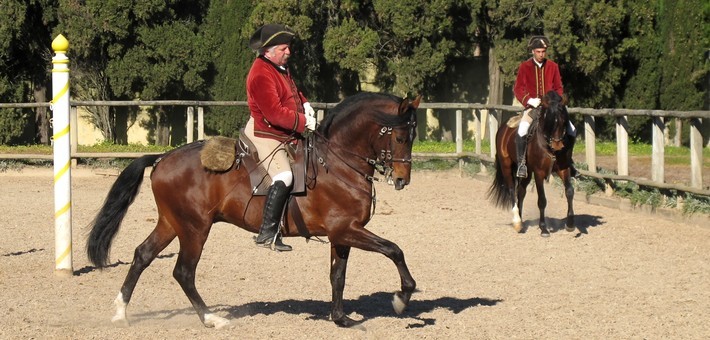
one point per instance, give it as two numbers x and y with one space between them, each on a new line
259 178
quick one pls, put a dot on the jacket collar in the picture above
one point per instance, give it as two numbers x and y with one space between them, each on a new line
281 69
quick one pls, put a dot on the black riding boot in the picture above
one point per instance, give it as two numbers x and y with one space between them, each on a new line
269 235
521 144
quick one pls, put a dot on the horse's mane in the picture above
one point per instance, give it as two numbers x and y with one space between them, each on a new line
363 103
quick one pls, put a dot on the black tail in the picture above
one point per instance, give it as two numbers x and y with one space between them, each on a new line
108 220
499 193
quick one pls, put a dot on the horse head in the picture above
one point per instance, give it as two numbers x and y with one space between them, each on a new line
378 129
554 118
399 158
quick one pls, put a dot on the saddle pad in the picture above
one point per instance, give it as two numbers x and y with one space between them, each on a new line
219 153
514 121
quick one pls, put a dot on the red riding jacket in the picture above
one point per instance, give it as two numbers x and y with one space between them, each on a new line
274 101
535 82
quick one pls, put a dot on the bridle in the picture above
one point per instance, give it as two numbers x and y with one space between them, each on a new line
383 163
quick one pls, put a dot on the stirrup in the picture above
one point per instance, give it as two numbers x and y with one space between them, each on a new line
274 244
522 171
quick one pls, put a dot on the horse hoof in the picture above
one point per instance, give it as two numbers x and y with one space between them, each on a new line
570 229
398 304
518 227
215 321
545 234
120 321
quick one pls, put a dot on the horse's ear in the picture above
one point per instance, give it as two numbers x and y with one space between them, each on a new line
406 104
564 99
415 103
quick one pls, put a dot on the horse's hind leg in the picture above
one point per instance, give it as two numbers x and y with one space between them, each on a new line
143 256
191 246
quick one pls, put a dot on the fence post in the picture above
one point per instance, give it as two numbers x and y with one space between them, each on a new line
459 138
190 124
477 127
200 123
696 153
431 124
657 174
622 145
590 141
493 118
62 159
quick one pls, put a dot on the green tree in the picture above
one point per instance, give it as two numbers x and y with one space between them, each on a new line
684 66
150 50
232 59
640 85
25 39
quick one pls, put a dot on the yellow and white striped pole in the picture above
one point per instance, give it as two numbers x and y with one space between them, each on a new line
62 158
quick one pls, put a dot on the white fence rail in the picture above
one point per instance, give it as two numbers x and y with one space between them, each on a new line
494 117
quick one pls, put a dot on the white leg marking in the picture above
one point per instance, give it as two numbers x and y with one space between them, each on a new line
398 304
516 215
120 316
215 321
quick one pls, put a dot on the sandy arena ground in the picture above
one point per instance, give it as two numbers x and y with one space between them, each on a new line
622 275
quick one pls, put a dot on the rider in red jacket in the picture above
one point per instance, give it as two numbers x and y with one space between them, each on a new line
279 114
536 76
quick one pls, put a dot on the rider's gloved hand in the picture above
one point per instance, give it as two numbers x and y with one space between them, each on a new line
534 102
310 123
308 109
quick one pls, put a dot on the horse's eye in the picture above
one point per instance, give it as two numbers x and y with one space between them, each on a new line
400 140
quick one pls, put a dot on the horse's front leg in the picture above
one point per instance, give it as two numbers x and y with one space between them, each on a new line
338 266
541 203
519 194
569 193
362 238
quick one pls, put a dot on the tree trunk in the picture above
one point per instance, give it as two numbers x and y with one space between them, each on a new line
162 128
41 116
495 79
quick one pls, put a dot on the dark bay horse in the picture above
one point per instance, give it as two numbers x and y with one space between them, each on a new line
364 133
549 150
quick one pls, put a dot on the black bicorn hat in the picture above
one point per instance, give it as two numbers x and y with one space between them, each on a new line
270 35
538 41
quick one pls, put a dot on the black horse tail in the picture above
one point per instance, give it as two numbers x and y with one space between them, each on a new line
108 220
499 193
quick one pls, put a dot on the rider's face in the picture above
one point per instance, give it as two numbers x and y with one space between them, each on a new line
278 54
539 54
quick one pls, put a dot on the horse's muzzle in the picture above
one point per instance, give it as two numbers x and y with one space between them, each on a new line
400 183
